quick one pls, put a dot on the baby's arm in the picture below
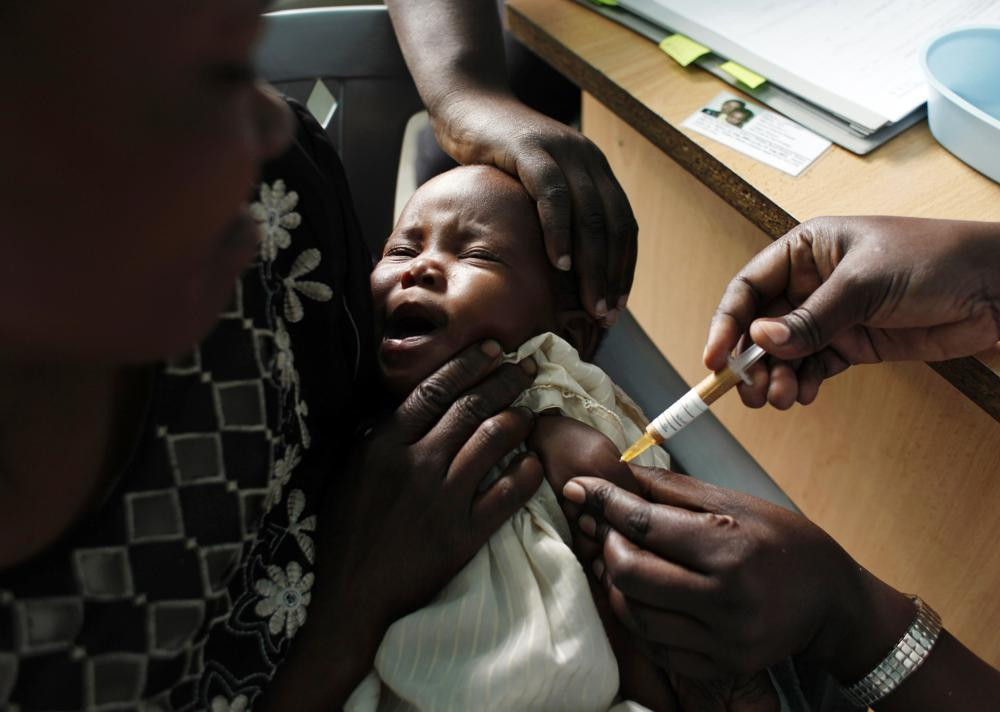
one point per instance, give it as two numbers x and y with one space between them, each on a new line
567 449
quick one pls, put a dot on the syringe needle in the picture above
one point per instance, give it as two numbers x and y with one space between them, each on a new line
695 402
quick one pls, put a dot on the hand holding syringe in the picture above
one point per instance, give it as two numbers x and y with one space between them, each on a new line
695 402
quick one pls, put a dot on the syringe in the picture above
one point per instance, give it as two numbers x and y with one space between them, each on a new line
695 402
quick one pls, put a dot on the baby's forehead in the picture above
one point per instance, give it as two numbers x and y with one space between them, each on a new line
484 185
478 199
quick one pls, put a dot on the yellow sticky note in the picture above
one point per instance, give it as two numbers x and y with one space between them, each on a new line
742 74
683 50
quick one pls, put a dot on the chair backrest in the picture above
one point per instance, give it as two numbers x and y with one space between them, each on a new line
354 52
704 449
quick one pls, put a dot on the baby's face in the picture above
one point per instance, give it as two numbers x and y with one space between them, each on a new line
464 263
736 117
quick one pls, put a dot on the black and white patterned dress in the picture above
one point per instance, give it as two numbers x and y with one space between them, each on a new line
185 588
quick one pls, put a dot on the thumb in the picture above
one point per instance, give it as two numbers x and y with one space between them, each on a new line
836 305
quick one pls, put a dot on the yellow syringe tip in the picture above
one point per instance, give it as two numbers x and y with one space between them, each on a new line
638 447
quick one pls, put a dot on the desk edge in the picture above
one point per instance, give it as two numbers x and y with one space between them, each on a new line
969 375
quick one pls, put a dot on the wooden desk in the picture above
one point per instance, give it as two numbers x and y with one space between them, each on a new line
899 463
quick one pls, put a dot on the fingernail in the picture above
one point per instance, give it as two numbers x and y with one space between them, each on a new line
776 331
601 308
529 366
598 567
622 302
612 317
588 525
491 348
574 492
564 263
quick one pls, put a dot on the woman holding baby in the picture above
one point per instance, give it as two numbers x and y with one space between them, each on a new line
188 528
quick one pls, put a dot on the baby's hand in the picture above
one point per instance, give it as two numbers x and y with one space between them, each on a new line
748 694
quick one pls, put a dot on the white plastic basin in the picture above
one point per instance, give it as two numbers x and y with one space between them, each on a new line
963 98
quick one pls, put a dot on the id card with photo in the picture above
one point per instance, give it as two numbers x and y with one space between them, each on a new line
757 132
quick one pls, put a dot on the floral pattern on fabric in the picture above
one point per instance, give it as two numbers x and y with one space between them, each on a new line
284 598
184 590
275 215
240 703
317 291
281 474
323 293
301 529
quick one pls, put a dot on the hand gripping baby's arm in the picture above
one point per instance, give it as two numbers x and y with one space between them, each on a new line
567 449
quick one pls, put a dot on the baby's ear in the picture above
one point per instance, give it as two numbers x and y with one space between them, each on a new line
580 330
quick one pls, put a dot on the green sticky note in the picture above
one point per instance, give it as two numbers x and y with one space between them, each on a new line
610 3
742 74
683 50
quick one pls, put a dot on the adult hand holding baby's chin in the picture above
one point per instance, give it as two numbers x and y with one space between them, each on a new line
586 218
407 513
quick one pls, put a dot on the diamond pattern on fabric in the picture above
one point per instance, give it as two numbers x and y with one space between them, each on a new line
103 573
148 603
173 624
154 516
114 679
240 405
48 624
184 364
196 457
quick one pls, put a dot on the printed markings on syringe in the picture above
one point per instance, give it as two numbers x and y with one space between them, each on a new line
680 414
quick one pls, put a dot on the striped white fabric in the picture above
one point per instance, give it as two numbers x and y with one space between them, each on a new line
517 628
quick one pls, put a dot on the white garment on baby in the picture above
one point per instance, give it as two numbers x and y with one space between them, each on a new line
517 628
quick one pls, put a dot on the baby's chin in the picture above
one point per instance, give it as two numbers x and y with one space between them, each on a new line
400 378
400 385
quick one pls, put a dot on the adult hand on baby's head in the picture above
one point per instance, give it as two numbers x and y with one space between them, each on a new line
413 514
586 218
835 292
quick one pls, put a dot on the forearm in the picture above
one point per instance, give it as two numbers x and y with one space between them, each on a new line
327 661
452 49
983 251
951 678
335 647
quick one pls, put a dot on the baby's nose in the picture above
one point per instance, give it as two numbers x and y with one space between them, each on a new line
425 273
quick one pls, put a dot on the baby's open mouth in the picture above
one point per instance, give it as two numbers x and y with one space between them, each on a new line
410 321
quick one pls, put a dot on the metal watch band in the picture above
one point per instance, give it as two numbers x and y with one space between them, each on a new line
909 654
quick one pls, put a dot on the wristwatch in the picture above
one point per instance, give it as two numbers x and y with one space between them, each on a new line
908 654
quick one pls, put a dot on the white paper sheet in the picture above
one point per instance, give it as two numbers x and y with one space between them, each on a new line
864 52
762 134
